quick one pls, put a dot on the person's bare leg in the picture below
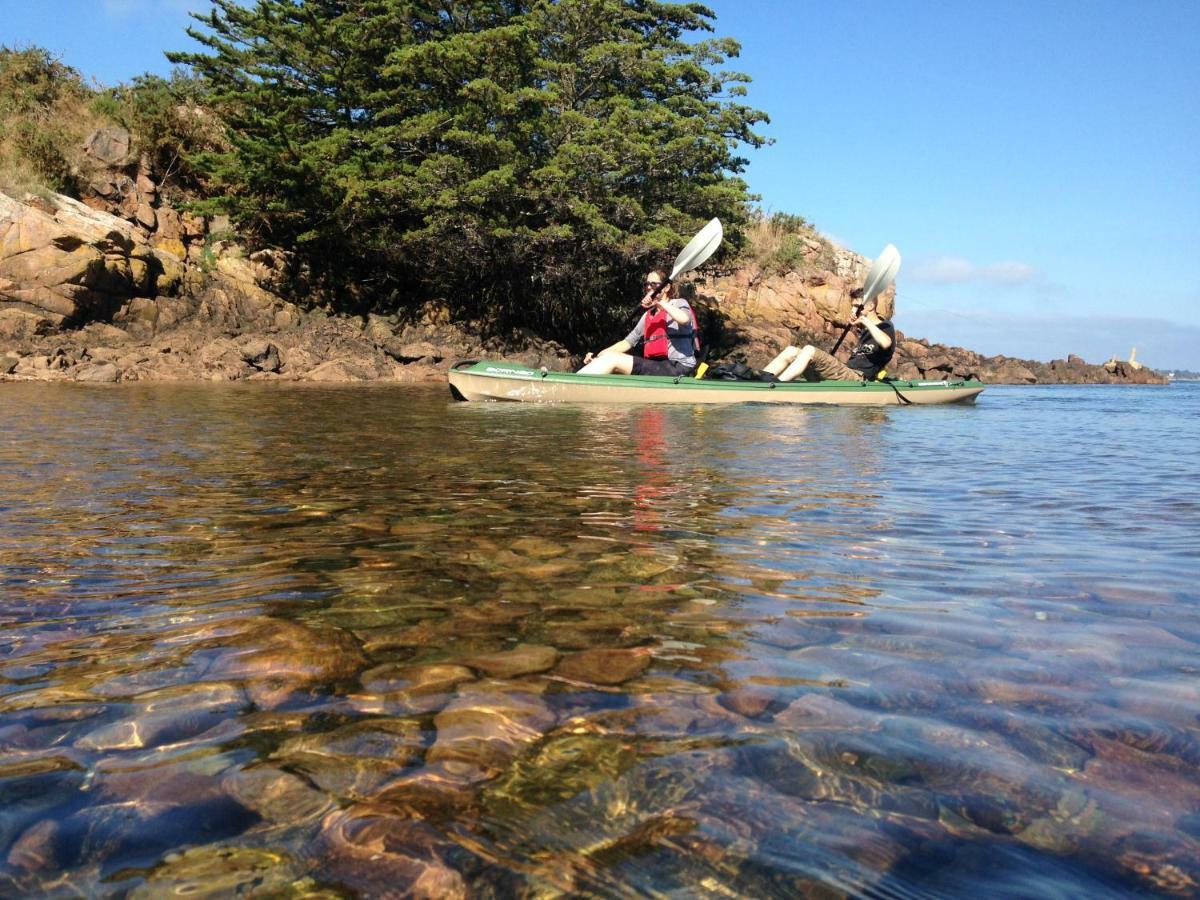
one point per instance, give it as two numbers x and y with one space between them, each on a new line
779 363
609 364
798 365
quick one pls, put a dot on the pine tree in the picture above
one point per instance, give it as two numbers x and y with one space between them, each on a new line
525 160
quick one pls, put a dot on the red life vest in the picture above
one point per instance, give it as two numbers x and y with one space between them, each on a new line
656 340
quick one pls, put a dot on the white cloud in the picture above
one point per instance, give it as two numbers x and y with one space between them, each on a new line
957 270
1009 273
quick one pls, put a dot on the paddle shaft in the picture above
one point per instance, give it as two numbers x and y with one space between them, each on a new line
846 330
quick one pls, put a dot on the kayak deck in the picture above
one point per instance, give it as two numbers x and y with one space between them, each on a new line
500 381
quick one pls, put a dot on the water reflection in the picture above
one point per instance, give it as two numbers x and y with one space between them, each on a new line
366 640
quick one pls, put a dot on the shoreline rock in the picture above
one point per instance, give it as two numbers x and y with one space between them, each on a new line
89 296
761 314
84 296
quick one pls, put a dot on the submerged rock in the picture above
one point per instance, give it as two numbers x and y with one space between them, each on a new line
372 850
441 790
538 547
37 849
129 832
276 658
749 700
277 796
354 760
220 872
405 689
524 659
565 765
488 727
1162 862
605 666
168 715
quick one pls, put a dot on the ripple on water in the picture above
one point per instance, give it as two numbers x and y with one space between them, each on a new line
326 640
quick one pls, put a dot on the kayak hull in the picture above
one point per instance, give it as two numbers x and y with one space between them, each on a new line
500 381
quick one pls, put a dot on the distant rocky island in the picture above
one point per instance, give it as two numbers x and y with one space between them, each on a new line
120 286
764 313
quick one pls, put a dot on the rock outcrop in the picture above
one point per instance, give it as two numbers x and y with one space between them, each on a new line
920 359
756 315
63 263
86 295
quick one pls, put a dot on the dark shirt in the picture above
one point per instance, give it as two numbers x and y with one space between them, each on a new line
868 357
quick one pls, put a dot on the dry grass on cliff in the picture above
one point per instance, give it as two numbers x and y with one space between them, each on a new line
46 113
779 243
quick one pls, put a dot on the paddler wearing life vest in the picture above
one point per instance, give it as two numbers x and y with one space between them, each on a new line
666 331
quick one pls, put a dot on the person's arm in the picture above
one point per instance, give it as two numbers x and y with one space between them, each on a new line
870 321
623 346
618 347
678 314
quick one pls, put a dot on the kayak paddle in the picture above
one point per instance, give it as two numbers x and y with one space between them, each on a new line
698 249
882 274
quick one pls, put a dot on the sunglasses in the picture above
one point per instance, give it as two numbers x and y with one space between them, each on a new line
652 284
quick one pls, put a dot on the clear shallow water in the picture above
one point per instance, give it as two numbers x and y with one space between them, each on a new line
330 642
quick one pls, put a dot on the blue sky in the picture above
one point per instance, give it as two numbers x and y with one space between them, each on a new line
1036 163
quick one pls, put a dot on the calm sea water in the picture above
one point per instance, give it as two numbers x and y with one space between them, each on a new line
352 641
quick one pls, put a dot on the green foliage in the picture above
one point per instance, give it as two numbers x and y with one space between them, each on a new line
789 257
779 243
208 252
526 160
32 82
788 223
40 150
168 121
39 123
46 111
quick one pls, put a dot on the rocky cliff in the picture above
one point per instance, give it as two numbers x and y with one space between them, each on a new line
759 313
86 295
124 288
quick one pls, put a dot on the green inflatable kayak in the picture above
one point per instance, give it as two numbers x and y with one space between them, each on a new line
483 380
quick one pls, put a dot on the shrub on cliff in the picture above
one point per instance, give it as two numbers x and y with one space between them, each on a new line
44 115
526 160
778 243
170 125
47 110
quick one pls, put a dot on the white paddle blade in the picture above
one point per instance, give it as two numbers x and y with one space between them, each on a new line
882 273
699 248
